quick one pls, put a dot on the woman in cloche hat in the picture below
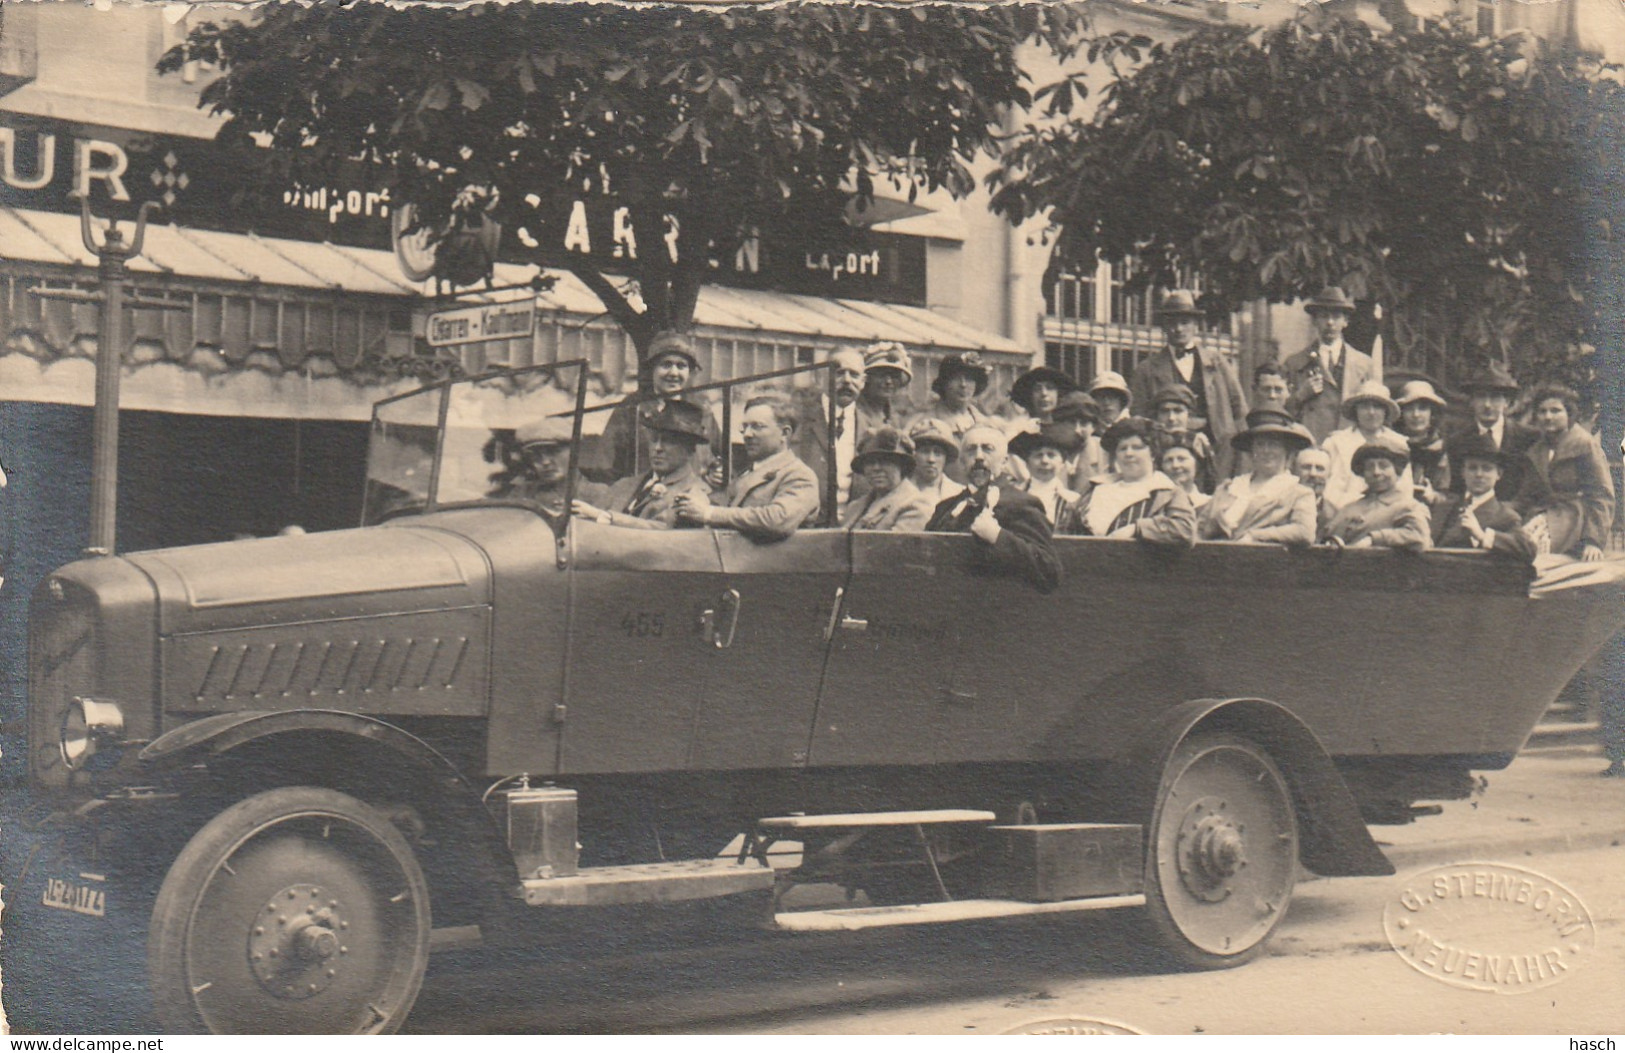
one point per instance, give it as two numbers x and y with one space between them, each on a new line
1371 414
1136 500
1387 516
893 502
1268 505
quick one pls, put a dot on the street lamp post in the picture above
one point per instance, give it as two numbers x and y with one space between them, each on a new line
113 256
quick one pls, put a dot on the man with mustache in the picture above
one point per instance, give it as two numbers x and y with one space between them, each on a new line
1012 531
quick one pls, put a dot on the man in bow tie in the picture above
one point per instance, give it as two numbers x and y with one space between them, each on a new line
777 495
1321 372
649 501
1220 405
1011 528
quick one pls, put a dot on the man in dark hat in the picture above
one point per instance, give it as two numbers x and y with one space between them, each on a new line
1323 371
778 495
1220 405
892 501
1388 516
1490 391
1012 532
623 449
1476 518
649 501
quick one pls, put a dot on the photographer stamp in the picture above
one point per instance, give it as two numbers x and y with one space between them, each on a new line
1489 927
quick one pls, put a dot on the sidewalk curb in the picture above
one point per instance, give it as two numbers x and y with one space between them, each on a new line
1411 857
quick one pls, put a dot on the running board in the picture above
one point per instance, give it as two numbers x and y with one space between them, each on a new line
647 883
850 919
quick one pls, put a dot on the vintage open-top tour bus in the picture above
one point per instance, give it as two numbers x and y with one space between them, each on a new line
278 764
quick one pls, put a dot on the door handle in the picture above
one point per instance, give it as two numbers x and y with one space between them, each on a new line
857 625
719 624
834 615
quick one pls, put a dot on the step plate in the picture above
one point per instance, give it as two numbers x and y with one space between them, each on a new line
851 919
648 883
857 820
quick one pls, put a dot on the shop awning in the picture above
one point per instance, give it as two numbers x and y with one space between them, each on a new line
53 238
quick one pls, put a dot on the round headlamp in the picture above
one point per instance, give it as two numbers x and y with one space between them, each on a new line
87 725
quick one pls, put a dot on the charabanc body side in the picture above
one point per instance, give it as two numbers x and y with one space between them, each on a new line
462 693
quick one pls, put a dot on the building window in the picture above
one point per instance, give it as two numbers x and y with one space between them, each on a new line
1124 359
1073 297
1075 360
1487 18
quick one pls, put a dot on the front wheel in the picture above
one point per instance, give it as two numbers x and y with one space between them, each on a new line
298 910
1221 852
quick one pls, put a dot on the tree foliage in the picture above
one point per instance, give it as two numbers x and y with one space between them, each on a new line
720 118
1472 185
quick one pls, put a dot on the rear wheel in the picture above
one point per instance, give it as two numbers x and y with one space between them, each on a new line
298 910
1221 852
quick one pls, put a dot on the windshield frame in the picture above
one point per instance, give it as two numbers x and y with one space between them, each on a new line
444 390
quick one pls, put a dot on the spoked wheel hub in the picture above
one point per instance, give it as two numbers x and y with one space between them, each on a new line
1211 850
296 946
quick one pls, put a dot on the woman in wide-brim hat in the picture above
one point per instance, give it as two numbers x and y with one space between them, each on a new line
1135 500
959 381
1267 505
1038 391
1371 413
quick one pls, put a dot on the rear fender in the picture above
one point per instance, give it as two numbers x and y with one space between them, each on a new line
1333 839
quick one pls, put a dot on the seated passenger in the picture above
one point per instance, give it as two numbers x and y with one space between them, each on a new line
1045 452
1081 413
1371 414
539 474
1171 410
1567 484
1012 532
892 502
1111 393
1477 519
1269 504
1313 467
1178 462
777 495
1387 516
935 453
1136 500
649 501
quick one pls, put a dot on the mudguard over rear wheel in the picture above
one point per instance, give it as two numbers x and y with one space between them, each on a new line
298 910
1221 852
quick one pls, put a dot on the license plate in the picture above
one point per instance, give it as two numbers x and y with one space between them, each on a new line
83 895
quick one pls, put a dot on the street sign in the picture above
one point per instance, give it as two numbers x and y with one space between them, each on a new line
474 325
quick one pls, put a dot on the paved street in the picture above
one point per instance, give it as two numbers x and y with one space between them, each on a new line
1329 969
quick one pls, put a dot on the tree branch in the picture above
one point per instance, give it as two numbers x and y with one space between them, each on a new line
626 316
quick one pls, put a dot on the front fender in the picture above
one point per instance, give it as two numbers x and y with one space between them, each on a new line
1335 841
224 732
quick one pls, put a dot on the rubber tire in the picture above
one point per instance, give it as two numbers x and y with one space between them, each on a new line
278 838
1163 884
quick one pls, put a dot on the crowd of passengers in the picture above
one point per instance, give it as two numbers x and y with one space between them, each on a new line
1326 455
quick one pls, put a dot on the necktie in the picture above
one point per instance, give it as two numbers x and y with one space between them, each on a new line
840 422
640 500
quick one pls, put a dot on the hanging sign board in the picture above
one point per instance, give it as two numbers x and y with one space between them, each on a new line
481 323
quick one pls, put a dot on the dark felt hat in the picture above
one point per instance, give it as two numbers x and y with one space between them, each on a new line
886 444
1492 376
1294 435
1061 438
1179 303
1178 393
682 419
1077 406
1480 447
1021 392
1398 454
1331 298
969 364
